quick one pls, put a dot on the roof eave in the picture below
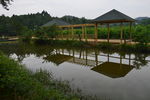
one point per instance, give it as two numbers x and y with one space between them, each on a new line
113 21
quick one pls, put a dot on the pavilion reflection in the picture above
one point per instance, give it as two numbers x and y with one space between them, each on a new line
94 60
57 58
113 70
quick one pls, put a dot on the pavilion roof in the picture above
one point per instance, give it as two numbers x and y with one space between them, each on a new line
57 58
57 22
113 70
113 16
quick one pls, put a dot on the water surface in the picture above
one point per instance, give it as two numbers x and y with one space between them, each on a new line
106 75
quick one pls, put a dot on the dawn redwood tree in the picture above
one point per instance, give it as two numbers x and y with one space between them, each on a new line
5 3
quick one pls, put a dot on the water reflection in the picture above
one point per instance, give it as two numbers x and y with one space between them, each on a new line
113 70
110 69
120 76
85 57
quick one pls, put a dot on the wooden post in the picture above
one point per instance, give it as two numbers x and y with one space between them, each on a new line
62 33
68 35
129 59
124 36
121 34
130 31
83 54
108 57
96 32
120 59
56 51
73 55
69 53
96 58
86 56
80 54
85 34
108 32
63 51
72 31
82 32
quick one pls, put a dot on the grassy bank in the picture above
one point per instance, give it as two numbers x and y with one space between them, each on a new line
17 83
139 48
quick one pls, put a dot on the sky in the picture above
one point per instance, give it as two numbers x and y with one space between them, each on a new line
80 8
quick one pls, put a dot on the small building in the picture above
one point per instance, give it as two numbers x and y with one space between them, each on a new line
57 22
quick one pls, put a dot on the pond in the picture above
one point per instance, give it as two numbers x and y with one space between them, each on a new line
106 75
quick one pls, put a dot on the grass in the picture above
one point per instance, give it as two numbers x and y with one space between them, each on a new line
17 83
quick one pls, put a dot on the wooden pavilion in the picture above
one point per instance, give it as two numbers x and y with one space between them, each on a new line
110 17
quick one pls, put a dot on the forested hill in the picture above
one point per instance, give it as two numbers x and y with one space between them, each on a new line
34 20
10 25
143 20
75 20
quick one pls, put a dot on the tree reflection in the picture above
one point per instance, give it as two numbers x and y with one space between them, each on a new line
140 60
23 50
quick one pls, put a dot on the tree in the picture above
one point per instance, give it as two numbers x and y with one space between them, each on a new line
5 3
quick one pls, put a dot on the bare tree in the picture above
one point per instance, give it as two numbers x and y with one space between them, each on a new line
5 3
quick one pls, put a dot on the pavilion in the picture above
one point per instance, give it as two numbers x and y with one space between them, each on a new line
108 18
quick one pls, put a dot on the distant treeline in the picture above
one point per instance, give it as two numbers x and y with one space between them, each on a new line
11 26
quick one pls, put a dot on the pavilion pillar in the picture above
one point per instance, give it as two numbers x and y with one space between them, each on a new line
120 59
73 55
96 32
68 36
80 54
82 32
124 36
121 33
129 59
85 34
130 31
96 57
72 33
86 56
108 36
108 57
63 51
62 33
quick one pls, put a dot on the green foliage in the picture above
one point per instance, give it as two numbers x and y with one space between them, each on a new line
26 34
16 82
145 21
142 34
46 33
125 47
12 26
51 31
75 20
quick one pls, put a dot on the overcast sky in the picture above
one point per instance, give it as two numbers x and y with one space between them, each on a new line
80 8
